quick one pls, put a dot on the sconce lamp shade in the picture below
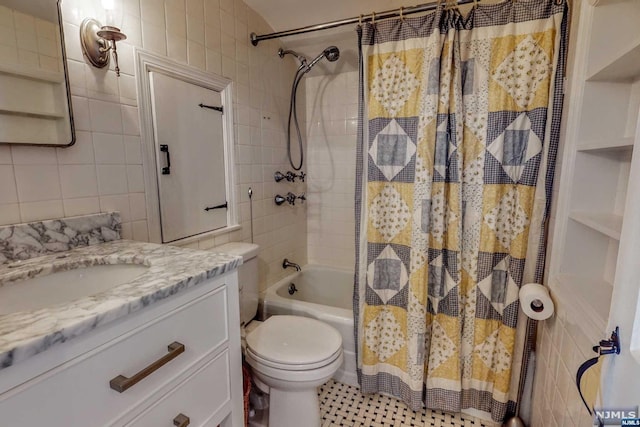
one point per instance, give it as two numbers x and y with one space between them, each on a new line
113 12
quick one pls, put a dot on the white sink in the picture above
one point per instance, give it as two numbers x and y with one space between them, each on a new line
64 286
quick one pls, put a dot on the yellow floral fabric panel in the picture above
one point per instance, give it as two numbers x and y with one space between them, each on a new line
394 88
521 71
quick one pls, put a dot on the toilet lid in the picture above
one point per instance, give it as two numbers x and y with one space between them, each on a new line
294 340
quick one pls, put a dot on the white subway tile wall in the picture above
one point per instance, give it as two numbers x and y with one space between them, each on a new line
562 347
103 170
332 118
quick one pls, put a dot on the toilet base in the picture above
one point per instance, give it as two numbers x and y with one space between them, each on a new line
293 402
294 408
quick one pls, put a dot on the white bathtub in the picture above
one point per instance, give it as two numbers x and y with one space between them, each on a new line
326 294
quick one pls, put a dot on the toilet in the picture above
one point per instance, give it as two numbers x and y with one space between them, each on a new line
290 356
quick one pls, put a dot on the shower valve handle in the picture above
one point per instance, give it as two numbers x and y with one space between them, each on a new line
289 176
289 198
279 176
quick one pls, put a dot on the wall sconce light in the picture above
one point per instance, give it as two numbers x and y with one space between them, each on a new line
98 40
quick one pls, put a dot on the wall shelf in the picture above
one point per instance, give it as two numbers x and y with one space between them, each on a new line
608 224
615 144
33 106
32 73
625 68
32 113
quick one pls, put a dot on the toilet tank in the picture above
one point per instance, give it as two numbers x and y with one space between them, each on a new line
247 277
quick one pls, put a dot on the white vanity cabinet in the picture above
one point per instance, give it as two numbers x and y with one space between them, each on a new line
186 346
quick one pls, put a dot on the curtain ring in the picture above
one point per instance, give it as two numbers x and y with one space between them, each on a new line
401 13
360 20
373 17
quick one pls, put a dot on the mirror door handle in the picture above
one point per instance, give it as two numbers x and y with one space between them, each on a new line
167 169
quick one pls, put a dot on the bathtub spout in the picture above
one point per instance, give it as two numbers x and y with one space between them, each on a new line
286 264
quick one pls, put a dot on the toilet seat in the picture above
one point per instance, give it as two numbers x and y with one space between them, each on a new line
290 379
293 367
294 343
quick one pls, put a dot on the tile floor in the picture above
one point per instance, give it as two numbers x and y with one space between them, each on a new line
343 405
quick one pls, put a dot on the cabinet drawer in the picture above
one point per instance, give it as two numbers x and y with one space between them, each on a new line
78 393
204 397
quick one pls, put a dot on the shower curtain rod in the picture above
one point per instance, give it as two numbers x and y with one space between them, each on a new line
255 39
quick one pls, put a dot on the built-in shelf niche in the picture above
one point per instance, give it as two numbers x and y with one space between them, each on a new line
605 96
33 106
614 41
608 224
27 95
623 68
600 181
593 258
591 255
589 296
609 113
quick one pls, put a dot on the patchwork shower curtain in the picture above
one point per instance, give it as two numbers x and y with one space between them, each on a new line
457 142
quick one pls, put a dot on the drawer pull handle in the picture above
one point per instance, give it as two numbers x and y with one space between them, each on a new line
181 420
122 383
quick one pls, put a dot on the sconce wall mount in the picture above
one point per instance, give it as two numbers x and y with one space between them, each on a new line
98 40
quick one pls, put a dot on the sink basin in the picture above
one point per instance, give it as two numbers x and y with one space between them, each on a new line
63 286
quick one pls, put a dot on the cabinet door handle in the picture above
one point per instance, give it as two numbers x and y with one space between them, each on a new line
181 420
122 383
167 169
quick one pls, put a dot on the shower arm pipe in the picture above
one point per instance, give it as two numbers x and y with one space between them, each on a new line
255 38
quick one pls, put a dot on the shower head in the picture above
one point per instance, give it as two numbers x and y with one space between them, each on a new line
332 53
301 58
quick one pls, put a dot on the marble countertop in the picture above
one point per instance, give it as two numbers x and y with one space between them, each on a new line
171 270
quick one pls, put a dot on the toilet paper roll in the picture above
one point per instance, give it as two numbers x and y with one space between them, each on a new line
536 301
